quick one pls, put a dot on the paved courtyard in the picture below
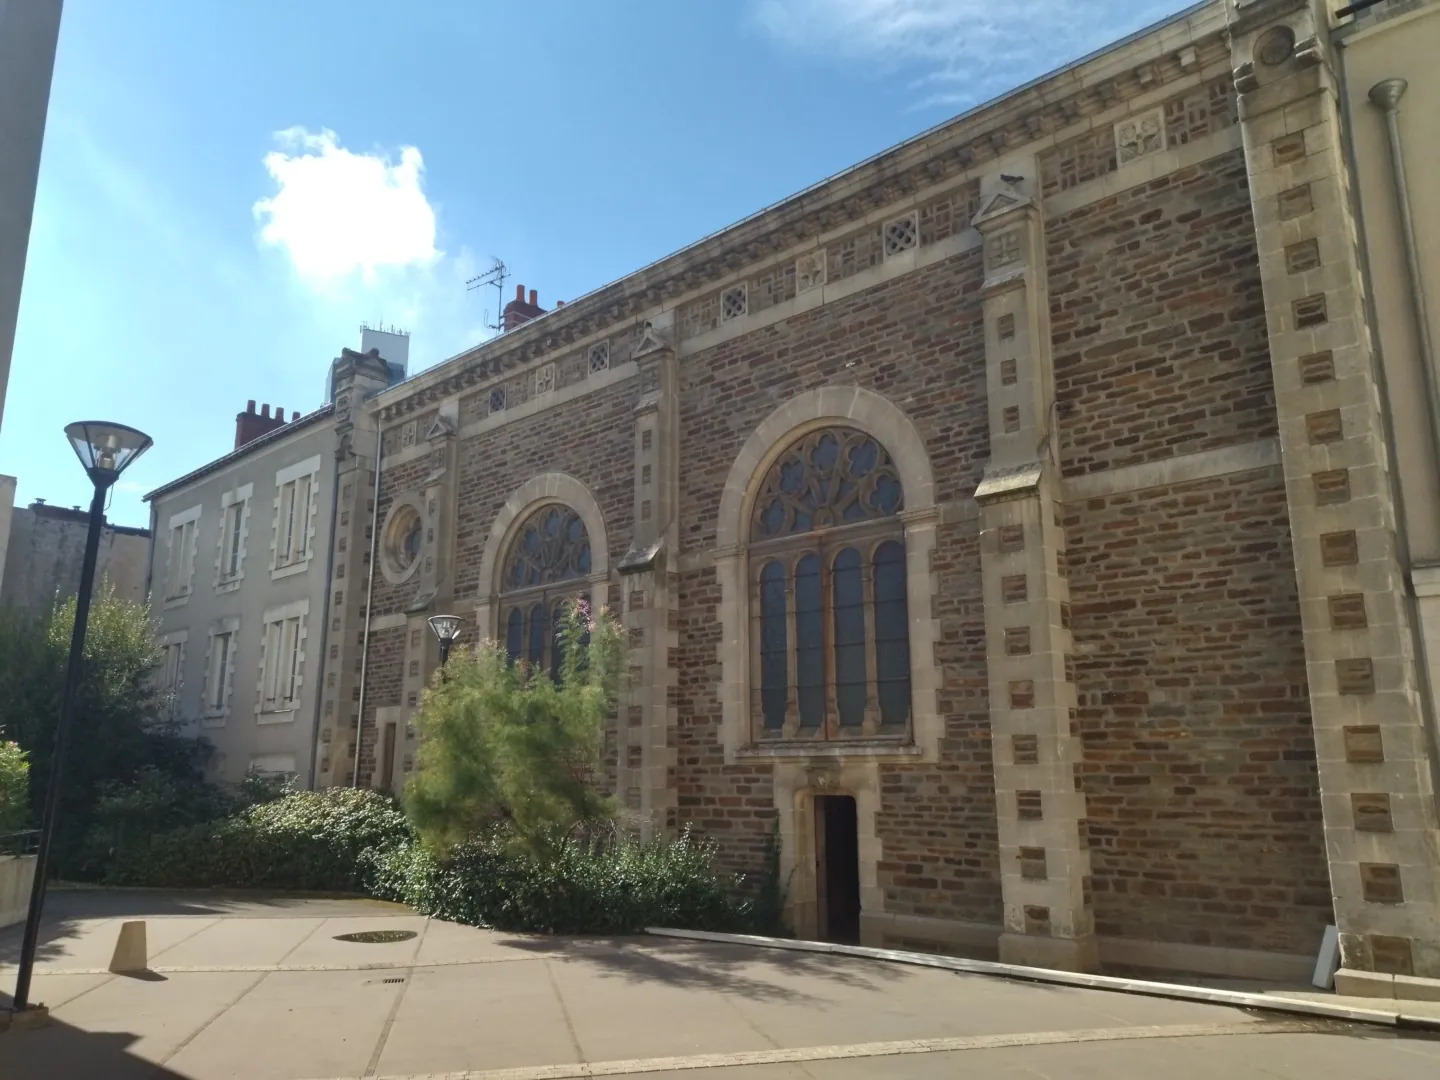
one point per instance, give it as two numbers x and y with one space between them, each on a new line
262 989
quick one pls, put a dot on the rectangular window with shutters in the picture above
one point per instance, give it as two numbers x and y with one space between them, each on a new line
219 670
170 678
282 660
295 503
180 555
234 529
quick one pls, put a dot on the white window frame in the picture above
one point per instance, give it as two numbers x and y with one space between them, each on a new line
234 532
180 564
224 635
292 543
171 677
282 663
265 765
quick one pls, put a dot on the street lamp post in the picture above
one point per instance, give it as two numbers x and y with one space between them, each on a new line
447 629
105 450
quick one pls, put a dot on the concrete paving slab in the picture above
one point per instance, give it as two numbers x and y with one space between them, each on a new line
483 1017
321 948
239 941
163 1014
291 1025
445 942
90 943
52 991
1272 1057
679 1020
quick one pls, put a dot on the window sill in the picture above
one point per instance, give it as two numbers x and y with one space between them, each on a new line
214 720
229 584
277 716
290 569
833 748
177 601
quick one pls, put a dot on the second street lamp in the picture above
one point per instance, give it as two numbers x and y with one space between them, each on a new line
105 450
447 630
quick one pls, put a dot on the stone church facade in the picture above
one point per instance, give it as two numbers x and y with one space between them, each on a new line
1005 524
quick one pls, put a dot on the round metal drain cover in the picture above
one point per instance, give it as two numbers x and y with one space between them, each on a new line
377 937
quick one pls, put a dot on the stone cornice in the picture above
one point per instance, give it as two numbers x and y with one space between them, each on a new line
985 133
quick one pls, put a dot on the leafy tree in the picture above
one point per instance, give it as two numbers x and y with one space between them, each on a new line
118 734
14 787
505 743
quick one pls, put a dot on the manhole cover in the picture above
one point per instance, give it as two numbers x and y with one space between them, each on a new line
377 937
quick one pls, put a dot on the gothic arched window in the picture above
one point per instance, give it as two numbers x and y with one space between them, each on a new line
546 567
831 648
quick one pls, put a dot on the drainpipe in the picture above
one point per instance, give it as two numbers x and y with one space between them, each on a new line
324 624
1402 536
1386 95
369 595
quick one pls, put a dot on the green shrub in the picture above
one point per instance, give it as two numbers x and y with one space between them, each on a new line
120 728
309 841
579 886
14 787
502 742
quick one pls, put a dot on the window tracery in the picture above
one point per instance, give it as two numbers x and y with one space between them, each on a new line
546 567
828 592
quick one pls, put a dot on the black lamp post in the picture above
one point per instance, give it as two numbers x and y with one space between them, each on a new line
105 450
447 629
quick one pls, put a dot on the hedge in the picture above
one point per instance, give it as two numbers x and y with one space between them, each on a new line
346 840
309 841
585 886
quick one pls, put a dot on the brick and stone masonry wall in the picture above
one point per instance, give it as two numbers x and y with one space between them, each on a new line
918 341
590 438
1158 321
384 687
1199 760
1199 767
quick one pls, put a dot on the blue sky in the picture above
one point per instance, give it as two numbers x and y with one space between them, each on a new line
228 190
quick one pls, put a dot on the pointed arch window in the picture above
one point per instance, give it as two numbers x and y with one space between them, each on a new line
831 651
547 565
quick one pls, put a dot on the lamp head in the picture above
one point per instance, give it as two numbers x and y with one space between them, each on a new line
104 449
447 627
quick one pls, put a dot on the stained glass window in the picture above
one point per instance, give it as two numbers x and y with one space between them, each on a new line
545 569
774 647
831 623
835 476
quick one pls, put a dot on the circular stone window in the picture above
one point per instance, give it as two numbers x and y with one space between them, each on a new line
401 542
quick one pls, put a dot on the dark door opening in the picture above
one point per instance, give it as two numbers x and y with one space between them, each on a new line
837 868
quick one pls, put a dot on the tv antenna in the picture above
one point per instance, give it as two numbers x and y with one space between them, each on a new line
495 276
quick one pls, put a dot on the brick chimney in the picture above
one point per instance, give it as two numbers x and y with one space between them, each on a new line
250 425
518 312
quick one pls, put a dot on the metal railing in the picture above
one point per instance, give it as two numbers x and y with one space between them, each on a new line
23 842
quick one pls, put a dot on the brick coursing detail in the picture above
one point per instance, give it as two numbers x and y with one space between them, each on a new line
591 438
916 340
1199 762
1158 321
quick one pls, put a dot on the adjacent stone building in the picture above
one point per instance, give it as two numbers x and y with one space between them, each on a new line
240 572
46 547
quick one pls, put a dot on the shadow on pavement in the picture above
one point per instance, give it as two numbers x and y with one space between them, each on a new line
757 974
61 1051
66 909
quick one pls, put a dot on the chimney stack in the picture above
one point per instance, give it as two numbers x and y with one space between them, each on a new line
518 311
250 425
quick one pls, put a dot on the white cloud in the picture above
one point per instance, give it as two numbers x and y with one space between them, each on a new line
338 214
360 234
971 49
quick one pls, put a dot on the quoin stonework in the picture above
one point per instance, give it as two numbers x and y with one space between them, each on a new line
1016 526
